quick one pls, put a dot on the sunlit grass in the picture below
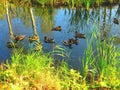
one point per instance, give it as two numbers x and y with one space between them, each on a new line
37 71
101 62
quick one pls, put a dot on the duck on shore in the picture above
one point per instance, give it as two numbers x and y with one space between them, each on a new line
48 40
58 28
79 35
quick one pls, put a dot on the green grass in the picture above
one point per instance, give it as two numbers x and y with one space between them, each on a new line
101 62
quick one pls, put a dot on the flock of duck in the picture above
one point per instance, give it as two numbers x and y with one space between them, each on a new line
68 42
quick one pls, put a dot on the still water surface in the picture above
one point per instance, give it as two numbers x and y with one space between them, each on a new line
70 20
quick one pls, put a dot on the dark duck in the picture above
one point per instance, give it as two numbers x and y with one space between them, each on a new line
48 40
19 38
79 35
115 21
74 41
67 43
58 28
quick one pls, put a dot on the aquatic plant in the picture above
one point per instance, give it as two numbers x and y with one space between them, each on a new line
101 62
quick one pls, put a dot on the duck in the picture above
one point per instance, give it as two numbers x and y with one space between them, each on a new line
58 28
115 21
11 45
19 38
74 40
79 35
48 40
33 38
67 43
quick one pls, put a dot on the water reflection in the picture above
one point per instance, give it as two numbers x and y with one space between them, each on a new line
35 23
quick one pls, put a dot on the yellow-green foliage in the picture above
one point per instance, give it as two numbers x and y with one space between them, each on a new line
36 71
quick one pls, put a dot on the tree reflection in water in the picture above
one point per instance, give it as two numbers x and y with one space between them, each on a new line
38 22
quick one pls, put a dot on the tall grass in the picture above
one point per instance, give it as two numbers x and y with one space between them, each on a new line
101 62
37 71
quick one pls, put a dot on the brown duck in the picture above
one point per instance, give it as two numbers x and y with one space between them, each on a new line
115 21
74 40
33 38
48 40
79 35
58 28
19 38
67 43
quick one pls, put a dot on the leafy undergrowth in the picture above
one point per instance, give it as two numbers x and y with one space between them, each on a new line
37 71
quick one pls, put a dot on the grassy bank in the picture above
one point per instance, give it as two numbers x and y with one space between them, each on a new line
100 70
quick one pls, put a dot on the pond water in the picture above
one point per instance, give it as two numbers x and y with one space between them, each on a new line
70 20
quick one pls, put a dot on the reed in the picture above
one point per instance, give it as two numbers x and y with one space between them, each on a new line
101 62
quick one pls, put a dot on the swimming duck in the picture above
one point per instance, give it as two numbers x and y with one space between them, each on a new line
58 28
11 45
79 35
115 21
19 38
74 40
48 40
67 43
33 38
